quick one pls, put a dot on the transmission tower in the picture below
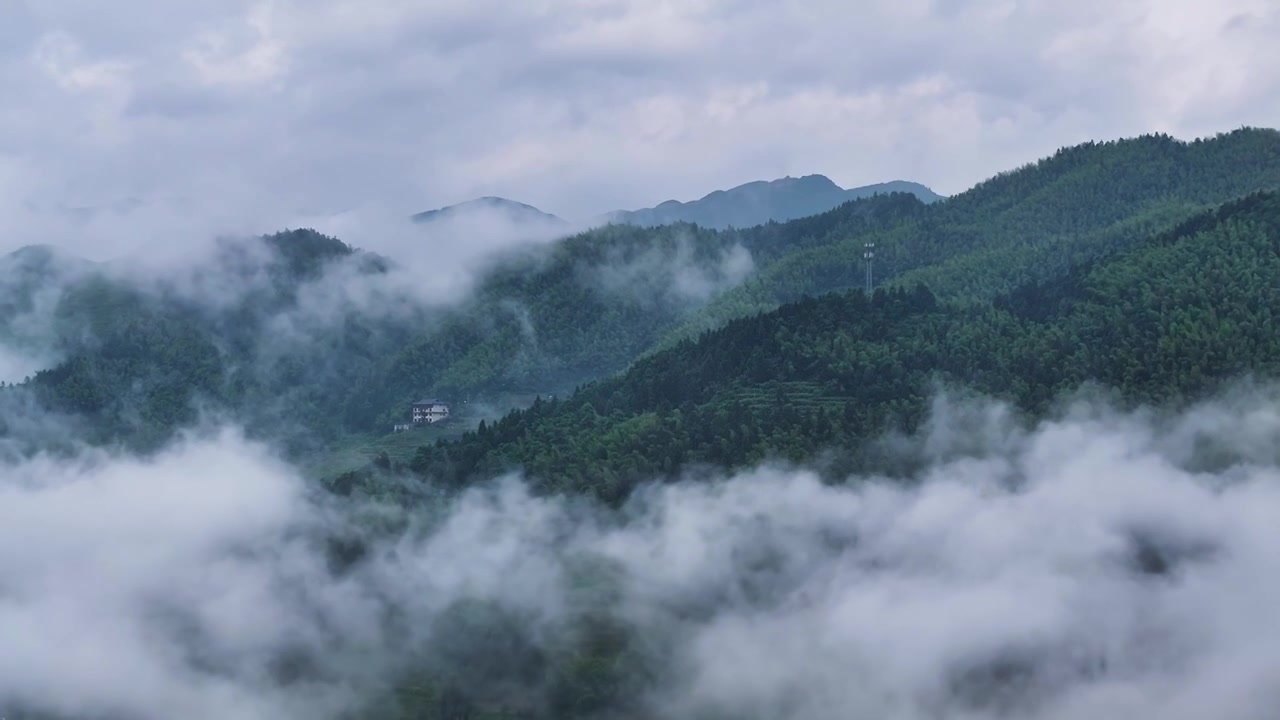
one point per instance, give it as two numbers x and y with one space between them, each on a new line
869 254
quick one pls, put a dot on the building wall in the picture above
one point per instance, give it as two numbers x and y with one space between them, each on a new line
432 414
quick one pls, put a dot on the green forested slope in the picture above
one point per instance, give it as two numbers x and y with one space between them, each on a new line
1023 225
142 360
139 363
571 316
145 360
1160 323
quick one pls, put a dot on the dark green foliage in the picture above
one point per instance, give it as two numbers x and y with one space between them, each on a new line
142 368
140 364
145 361
1031 224
1161 323
304 253
485 660
546 322
1088 267
1024 225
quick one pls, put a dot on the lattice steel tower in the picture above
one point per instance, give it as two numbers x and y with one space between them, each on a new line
869 254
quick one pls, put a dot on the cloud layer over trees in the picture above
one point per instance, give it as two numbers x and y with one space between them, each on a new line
1098 564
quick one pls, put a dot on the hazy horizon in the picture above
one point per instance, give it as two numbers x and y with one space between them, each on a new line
244 116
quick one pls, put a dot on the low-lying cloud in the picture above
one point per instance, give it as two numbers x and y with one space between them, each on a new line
405 271
32 283
676 271
15 366
440 261
1098 564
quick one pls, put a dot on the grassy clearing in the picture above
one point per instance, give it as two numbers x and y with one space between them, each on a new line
400 447
358 451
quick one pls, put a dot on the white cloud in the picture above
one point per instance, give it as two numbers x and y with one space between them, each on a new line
1096 565
248 113
222 60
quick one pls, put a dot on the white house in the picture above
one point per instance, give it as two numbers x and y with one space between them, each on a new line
429 411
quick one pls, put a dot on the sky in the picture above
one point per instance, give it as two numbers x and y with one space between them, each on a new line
173 117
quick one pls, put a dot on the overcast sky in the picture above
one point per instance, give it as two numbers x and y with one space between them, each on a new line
247 115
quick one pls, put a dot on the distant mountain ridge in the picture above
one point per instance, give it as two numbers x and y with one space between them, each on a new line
744 206
587 307
832 371
756 203
509 209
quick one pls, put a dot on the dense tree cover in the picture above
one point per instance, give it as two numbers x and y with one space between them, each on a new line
145 359
1159 323
1020 226
585 307
548 320
273 342
1159 320
553 327
542 320
484 664
1190 308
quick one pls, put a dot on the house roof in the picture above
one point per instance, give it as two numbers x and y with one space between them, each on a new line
431 402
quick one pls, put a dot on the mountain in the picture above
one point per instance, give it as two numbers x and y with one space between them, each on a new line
140 359
300 355
29 279
1030 223
756 203
501 208
1163 322
42 261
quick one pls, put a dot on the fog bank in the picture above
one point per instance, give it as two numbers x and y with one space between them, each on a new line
1099 564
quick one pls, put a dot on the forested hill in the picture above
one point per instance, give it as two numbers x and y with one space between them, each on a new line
1160 323
1023 225
240 336
508 210
298 355
759 202
599 300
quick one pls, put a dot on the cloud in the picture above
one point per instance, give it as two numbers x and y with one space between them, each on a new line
16 365
675 271
404 271
1096 564
440 261
137 561
32 284
241 115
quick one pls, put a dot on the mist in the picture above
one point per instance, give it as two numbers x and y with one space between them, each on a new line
32 283
677 272
440 261
437 261
16 365
404 275
1096 564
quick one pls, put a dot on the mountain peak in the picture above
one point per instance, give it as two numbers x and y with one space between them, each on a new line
508 209
762 201
42 255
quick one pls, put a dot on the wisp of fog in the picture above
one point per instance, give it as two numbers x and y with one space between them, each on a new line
1097 564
